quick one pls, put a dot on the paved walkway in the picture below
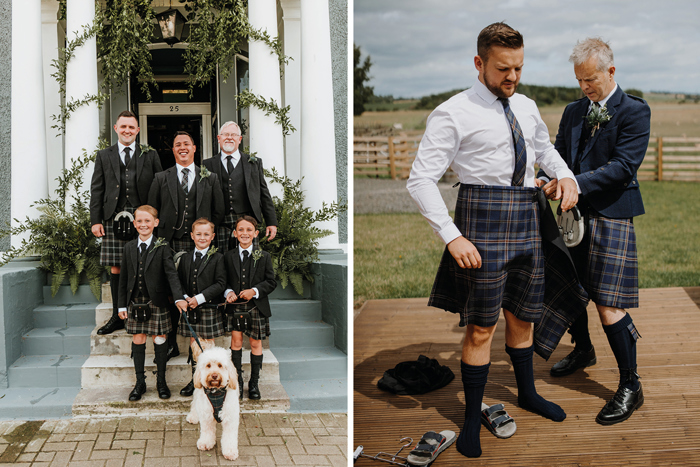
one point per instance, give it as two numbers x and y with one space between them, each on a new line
265 439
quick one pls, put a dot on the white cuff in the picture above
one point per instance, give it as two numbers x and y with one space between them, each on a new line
200 299
257 294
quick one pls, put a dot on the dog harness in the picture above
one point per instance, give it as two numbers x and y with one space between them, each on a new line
216 398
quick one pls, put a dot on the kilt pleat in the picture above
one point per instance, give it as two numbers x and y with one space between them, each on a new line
210 326
503 224
158 325
185 243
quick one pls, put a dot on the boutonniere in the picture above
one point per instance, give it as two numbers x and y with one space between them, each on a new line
597 117
211 251
252 159
144 149
160 241
203 173
257 254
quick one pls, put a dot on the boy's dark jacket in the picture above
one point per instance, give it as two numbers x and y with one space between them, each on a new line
262 277
211 277
159 273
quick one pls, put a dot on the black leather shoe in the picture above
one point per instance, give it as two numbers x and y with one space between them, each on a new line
173 352
572 362
621 406
163 390
138 390
115 323
253 390
188 390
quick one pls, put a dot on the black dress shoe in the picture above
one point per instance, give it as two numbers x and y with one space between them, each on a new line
173 352
115 323
188 390
621 406
253 390
138 390
576 359
163 390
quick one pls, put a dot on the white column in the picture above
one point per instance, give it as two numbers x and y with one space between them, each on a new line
82 126
52 35
291 84
265 135
28 131
317 123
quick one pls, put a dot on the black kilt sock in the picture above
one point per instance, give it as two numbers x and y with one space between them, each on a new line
175 319
624 346
114 287
474 381
138 353
579 332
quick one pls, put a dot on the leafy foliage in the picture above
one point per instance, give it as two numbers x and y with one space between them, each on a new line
62 235
295 246
126 30
361 93
246 98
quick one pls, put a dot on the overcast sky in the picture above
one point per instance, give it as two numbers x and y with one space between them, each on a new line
426 47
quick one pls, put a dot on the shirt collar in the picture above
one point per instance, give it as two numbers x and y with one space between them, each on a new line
147 241
203 252
180 167
121 147
241 250
603 102
483 92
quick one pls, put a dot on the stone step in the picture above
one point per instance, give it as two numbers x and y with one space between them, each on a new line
118 370
119 343
113 401
65 296
321 395
37 403
46 371
73 340
297 333
311 363
82 314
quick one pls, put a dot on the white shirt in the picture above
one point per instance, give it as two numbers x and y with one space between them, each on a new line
240 254
122 154
470 133
190 175
199 297
235 157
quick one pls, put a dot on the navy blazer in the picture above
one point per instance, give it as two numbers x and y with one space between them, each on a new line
258 194
611 158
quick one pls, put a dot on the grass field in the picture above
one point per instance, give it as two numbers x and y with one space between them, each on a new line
668 118
396 255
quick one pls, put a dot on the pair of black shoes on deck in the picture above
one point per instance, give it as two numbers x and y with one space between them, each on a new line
624 402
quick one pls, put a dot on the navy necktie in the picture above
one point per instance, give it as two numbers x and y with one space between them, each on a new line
518 142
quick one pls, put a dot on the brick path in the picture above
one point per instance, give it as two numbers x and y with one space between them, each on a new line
264 440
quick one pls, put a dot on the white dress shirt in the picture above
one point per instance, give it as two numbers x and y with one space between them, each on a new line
190 176
199 297
235 157
470 133
121 147
240 254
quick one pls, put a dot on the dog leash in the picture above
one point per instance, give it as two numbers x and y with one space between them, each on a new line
194 334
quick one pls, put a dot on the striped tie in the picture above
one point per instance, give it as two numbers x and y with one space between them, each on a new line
518 142
185 180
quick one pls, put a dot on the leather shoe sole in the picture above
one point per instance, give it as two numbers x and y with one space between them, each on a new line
572 362
621 406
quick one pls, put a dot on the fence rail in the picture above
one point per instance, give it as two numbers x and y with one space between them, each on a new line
667 158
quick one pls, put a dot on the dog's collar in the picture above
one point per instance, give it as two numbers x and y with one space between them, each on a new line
216 398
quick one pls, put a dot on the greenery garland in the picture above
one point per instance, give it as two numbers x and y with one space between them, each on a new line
246 98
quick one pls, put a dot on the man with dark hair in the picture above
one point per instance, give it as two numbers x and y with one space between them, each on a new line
121 180
182 194
603 138
491 137
243 185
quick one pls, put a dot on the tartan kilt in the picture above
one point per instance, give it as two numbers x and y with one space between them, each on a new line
224 231
210 325
503 223
258 328
158 325
112 248
182 244
607 261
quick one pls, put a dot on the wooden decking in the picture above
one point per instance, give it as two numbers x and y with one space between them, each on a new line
665 431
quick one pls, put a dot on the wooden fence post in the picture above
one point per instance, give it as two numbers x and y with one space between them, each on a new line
660 158
392 164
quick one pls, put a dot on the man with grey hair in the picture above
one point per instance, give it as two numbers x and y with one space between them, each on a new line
603 138
243 184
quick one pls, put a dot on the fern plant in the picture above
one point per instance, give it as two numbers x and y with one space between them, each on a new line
295 246
61 236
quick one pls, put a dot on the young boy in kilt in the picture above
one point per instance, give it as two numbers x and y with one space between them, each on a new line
203 279
249 276
148 276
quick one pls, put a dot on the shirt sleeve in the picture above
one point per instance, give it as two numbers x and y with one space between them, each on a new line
436 152
547 157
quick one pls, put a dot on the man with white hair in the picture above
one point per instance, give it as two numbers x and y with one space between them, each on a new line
603 138
243 184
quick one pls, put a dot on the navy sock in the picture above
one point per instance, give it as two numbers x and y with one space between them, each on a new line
624 346
474 380
528 398
579 332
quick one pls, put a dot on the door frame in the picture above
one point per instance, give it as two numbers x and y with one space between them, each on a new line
179 109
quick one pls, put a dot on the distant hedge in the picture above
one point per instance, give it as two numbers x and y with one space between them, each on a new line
543 95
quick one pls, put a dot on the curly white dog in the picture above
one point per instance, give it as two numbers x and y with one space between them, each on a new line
216 399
